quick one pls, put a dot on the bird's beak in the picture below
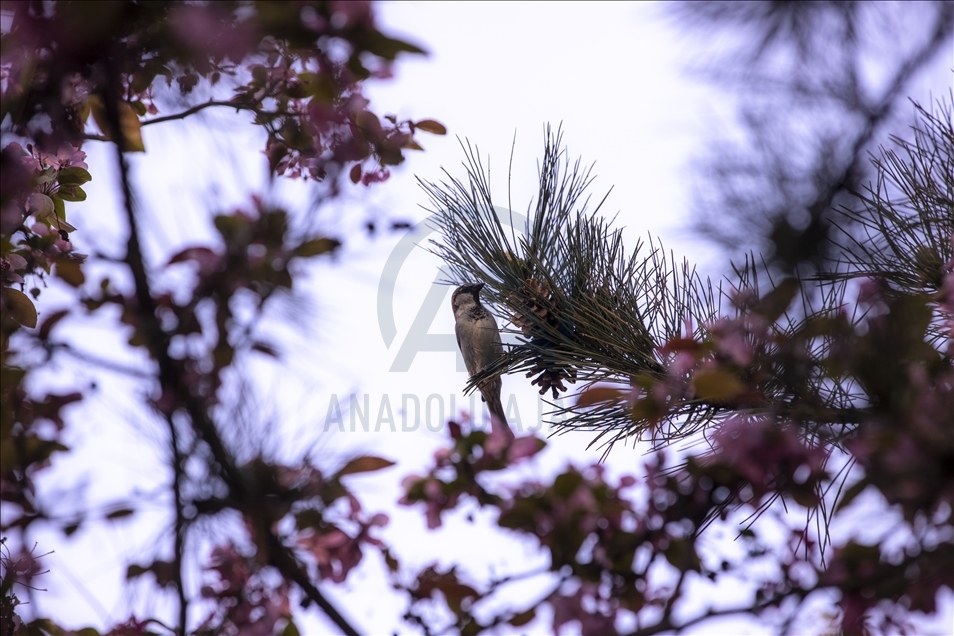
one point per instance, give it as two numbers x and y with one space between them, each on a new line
478 286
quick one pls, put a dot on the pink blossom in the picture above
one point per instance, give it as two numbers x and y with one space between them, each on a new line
71 156
409 481
75 91
497 442
207 260
442 456
730 340
209 31
574 607
9 267
742 298
376 176
681 363
870 291
351 13
763 450
432 489
524 447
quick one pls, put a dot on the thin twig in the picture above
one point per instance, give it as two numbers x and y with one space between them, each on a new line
171 376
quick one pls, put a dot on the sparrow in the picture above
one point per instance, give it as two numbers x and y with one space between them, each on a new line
479 342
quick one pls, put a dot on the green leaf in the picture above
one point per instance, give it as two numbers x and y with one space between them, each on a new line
774 303
388 48
63 225
804 496
321 87
359 70
58 219
717 385
43 626
142 80
119 514
95 105
74 175
389 560
566 483
316 247
59 208
850 494
681 554
20 306
229 226
431 126
164 571
523 617
71 193
41 206
47 176
369 124
70 528
291 629
129 124
364 464
130 127
70 272
264 347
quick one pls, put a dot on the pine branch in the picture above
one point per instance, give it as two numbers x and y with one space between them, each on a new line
583 308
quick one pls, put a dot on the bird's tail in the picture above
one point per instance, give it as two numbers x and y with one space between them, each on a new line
498 419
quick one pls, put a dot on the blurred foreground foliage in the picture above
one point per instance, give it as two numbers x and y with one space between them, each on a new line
818 373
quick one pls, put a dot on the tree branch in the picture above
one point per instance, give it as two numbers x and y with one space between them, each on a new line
191 111
171 374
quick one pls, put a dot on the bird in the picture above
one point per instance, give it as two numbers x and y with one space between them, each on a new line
479 342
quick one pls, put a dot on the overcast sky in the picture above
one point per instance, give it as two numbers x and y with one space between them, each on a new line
610 73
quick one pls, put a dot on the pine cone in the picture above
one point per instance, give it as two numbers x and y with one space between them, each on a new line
551 377
535 297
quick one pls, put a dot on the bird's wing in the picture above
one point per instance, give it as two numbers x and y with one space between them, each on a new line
466 352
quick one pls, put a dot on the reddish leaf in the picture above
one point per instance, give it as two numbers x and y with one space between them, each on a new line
431 126
524 447
681 344
205 258
364 464
50 322
597 395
